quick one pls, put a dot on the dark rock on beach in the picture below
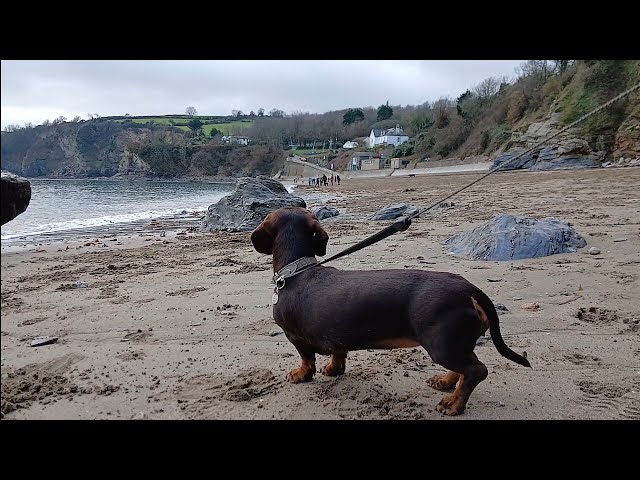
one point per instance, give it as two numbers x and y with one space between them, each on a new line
502 162
325 212
16 195
393 211
562 153
566 162
509 237
245 208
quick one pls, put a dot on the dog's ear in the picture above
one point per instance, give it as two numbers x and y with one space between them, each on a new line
262 241
320 239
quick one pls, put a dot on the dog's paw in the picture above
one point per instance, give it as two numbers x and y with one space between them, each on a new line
300 375
333 369
450 406
444 381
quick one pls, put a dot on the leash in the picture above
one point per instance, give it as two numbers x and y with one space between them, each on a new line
404 223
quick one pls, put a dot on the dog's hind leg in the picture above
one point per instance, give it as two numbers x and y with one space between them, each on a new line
444 381
336 365
473 372
307 369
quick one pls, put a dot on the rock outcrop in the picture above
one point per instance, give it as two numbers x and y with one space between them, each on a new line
393 211
509 237
323 212
16 195
563 152
248 205
105 148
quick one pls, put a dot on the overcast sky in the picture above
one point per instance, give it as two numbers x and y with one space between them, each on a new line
33 91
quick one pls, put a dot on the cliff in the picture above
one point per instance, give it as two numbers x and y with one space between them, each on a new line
104 148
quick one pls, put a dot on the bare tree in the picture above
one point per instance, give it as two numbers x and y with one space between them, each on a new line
488 88
61 119
274 112
191 111
441 110
12 127
540 69
261 112
46 123
28 125
90 116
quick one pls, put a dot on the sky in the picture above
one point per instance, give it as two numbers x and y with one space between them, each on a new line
38 90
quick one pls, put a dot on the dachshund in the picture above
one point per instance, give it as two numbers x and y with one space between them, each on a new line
327 311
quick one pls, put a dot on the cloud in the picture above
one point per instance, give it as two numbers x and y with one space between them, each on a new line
33 91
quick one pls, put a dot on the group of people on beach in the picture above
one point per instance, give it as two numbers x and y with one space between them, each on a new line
320 181
324 180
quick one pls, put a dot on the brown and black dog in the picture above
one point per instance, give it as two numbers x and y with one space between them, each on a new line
331 312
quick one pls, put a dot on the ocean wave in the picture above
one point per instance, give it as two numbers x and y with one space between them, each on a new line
78 224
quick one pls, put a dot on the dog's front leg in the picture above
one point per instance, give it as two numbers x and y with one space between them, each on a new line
308 368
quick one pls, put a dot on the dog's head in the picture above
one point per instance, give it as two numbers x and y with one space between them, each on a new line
292 227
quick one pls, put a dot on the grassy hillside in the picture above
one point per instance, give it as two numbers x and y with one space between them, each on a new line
181 122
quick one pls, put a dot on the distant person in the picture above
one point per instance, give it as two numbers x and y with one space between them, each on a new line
338 178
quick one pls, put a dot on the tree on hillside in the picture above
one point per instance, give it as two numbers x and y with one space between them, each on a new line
384 112
252 113
539 69
237 113
352 115
76 119
12 127
460 100
61 119
214 132
261 112
488 88
276 113
195 125
561 66
46 123
191 111
441 110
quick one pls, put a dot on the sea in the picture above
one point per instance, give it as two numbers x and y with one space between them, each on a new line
75 208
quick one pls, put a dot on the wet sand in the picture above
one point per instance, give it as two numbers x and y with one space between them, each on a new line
167 326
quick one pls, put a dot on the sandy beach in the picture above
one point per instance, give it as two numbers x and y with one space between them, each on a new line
163 325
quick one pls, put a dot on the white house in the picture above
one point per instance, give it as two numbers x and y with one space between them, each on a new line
350 144
393 136
238 139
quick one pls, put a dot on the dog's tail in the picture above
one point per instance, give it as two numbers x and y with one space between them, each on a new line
488 311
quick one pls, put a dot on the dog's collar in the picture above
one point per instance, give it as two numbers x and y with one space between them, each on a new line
292 269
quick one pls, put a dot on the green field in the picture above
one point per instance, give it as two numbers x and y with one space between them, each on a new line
226 128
